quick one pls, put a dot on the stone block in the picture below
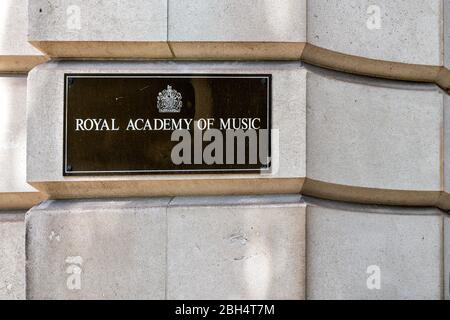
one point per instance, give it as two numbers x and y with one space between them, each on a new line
97 249
405 32
15 193
12 255
447 257
447 34
100 29
444 75
446 146
247 247
373 252
16 54
45 132
233 247
233 29
371 140
447 194
236 248
390 39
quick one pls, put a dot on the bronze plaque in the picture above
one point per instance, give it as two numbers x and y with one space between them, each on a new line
166 123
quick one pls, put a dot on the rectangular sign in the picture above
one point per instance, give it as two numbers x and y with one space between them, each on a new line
166 123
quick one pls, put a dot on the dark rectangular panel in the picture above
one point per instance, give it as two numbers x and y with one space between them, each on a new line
161 123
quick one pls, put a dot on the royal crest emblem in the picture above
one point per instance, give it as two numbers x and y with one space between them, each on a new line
169 100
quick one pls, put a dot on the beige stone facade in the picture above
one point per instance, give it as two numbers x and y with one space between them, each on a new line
355 206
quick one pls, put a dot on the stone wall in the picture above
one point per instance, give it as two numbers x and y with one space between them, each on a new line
354 208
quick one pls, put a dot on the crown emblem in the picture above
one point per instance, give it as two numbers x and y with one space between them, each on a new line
169 100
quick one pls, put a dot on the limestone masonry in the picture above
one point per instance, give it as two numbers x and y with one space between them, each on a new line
355 203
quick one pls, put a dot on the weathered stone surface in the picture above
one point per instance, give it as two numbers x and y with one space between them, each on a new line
373 140
97 249
45 132
181 248
444 76
16 54
447 194
446 144
12 255
447 34
400 41
237 21
406 32
13 29
100 29
237 29
236 248
99 21
352 249
233 247
388 39
447 257
14 191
